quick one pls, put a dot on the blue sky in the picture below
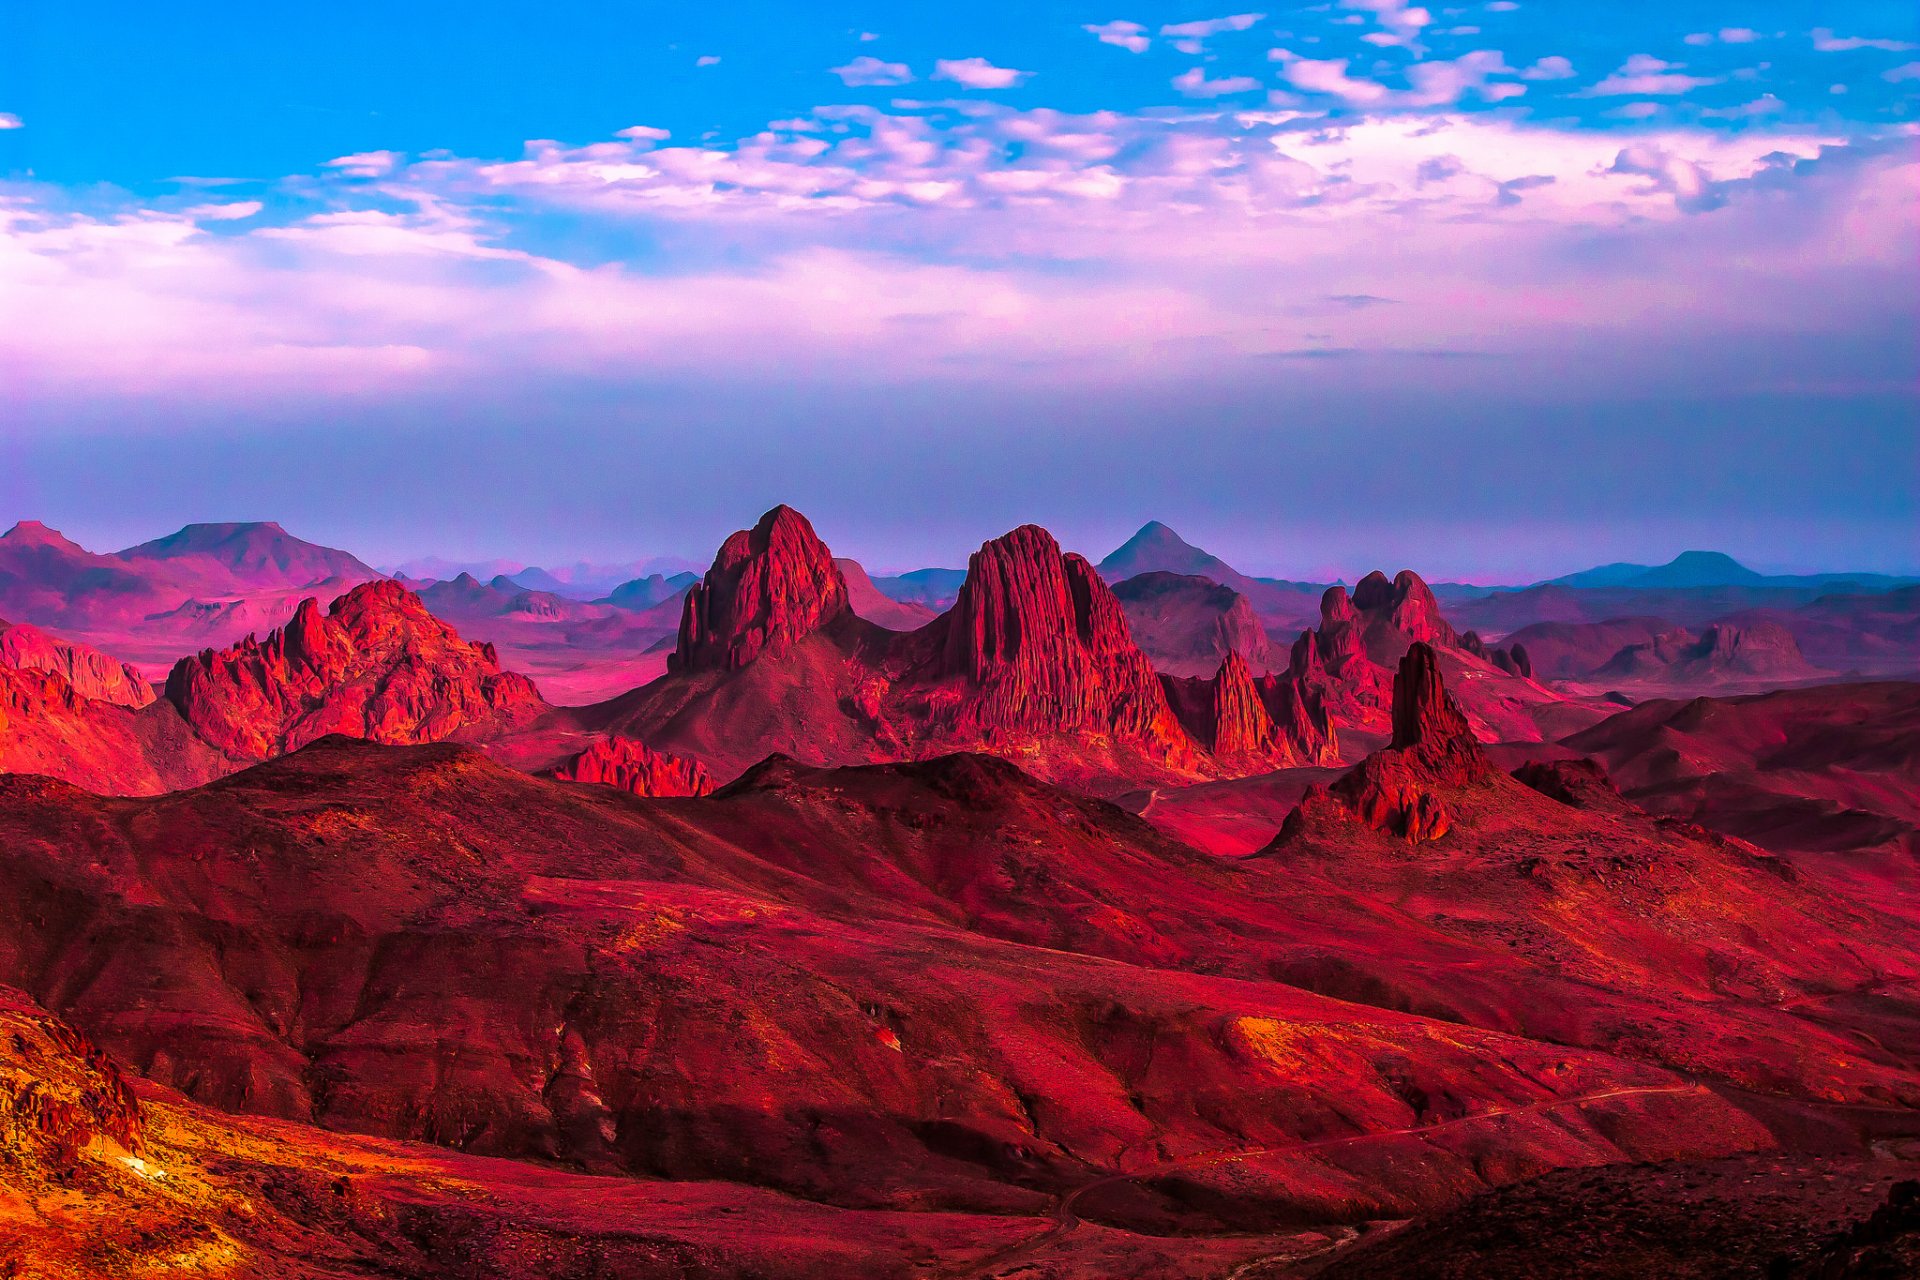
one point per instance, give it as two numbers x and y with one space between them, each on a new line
1495 290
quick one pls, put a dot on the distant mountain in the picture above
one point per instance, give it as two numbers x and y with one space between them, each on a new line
876 606
934 588
1158 549
437 569
652 590
1701 569
252 554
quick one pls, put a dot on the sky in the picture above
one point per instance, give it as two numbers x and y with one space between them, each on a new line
1493 290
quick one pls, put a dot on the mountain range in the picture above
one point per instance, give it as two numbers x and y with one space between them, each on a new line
1080 927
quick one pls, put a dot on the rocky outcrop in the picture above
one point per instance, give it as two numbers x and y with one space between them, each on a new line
769 587
376 666
62 1100
1269 722
92 674
1043 645
1723 652
1406 604
1514 659
1401 790
631 765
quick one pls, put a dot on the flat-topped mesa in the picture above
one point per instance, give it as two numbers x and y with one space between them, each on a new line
377 666
631 765
769 588
1046 643
1408 603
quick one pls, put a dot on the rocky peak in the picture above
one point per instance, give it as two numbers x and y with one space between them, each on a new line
769 588
631 765
377 666
1423 714
1046 644
1242 725
32 533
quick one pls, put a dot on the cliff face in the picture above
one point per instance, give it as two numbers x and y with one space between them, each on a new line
769 587
376 666
1044 646
91 673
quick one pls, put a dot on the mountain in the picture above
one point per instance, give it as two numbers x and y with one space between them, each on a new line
1832 767
1188 624
1696 569
631 766
377 665
49 728
1035 660
248 556
875 606
1158 549
1575 650
1762 652
654 589
934 588
92 674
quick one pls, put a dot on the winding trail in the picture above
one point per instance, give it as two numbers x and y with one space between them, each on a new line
1066 1220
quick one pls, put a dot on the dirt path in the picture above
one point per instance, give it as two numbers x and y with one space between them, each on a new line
1066 1220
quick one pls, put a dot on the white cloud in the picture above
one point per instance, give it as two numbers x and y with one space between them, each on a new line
1443 83
643 133
1328 76
707 60
1645 75
8 120
978 73
1130 36
866 70
367 164
1401 23
1826 42
1909 71
1551 67
1194 83
1191 37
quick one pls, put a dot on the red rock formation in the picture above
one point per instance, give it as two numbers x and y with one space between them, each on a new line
768 588
1407 604
91 673
377 666
1398 790
61 1098
1270 722
1045 646
631 765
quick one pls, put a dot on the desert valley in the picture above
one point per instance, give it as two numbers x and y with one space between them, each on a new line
1009 641
1036 919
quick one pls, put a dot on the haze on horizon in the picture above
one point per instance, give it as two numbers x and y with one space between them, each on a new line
1498 291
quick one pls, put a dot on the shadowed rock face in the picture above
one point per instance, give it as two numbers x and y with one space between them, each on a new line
769 587
631 765
1045 645
376 666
